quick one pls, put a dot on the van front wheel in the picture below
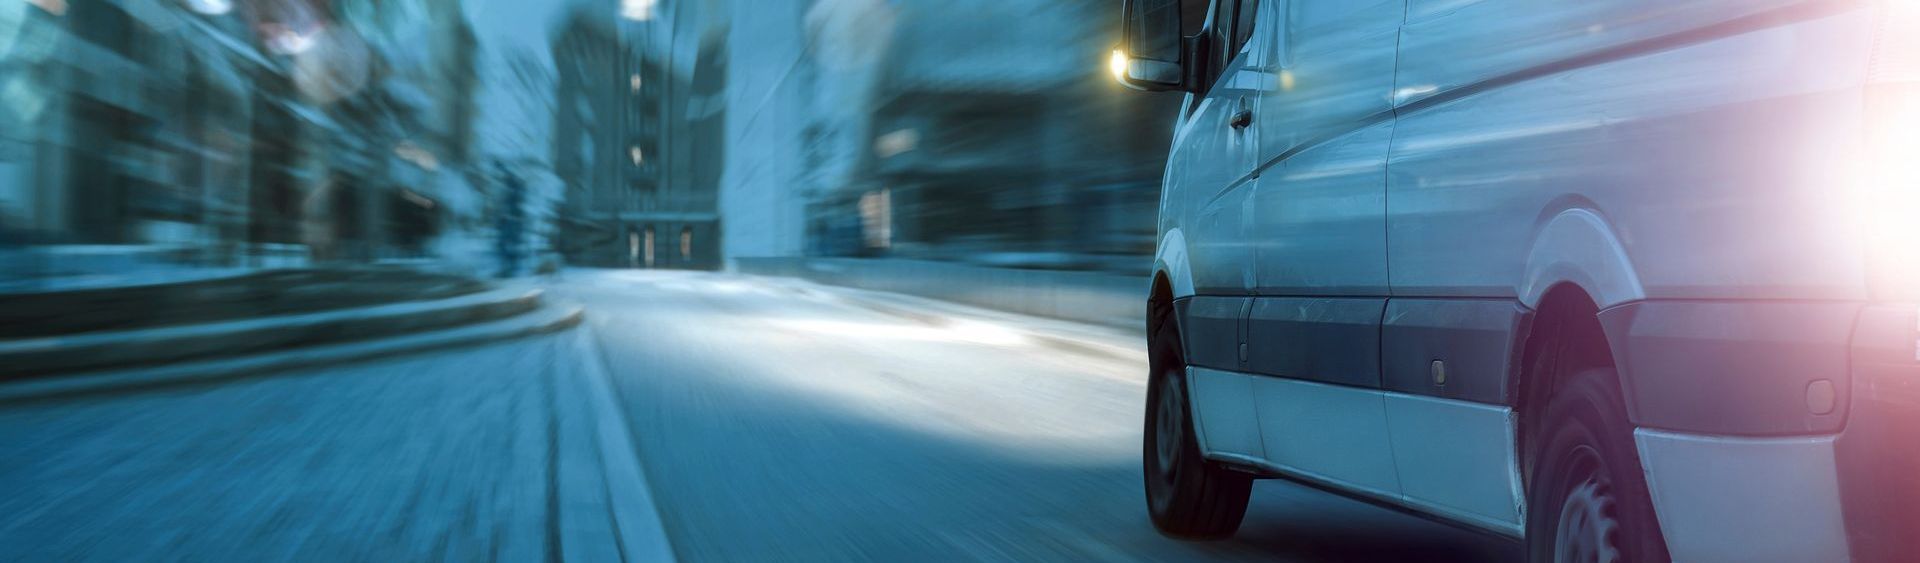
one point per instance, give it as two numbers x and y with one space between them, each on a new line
1187 496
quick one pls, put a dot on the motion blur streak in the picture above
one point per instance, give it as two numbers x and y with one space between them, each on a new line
981 333
397 280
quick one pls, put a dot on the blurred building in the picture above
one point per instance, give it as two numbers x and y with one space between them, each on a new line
510 152
997 141
769 101
980 132
801 90
667 133
133 123
637 136
395 80
263 132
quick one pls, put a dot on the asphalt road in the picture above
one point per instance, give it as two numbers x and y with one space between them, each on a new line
772 420
777 420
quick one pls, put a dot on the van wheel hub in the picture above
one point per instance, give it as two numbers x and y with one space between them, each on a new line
1169 428
1588 530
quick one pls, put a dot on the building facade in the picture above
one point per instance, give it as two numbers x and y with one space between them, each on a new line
636 137
979 132
125 125
227 133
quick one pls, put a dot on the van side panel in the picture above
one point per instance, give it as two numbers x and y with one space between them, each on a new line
1212 165
1330 69
1733 367
1451 44
1329 340
1683 127
1473 339
1332 433
1325 121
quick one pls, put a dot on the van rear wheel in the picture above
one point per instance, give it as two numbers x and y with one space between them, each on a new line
1187 496
1587 499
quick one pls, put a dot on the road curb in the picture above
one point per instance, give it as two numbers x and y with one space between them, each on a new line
45 357
612 517
538 322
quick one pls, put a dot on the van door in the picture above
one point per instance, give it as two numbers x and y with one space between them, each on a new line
1320 231
1212 172
1216 149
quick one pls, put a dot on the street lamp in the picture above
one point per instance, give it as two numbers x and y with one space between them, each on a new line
210 7
637 10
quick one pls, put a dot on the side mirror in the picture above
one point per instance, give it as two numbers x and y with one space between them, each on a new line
1149 57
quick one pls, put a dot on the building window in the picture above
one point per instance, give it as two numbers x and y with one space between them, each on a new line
646 248
633 249
876 218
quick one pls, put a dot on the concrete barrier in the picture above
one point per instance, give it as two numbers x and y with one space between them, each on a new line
1091 297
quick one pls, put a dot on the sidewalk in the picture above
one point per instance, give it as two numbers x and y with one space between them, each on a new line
508 453
94 340
213 298
36 269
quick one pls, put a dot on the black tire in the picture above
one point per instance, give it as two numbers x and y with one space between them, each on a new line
1187 496
1587 499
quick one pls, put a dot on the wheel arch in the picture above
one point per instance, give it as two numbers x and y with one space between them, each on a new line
1575 268
1170 264
1172 280
1577 246
1563 337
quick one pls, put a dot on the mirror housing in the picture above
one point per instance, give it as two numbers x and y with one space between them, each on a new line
1152 51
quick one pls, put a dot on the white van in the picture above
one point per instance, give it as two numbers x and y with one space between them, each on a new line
1628 280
